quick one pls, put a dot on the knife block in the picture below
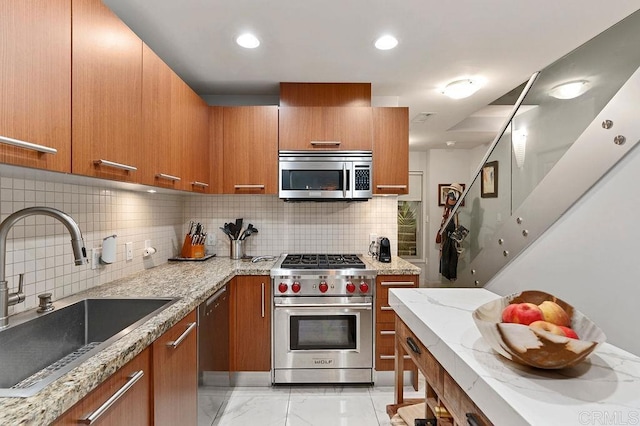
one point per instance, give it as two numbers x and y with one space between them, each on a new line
190 250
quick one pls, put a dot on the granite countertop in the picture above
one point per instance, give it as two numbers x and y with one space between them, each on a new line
604 389
192 282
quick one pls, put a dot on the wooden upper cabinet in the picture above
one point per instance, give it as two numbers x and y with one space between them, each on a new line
196 147
391 150
35 82
250 150
325 94
106 94
216 147
325 128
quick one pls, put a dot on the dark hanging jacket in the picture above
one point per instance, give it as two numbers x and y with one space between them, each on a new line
449 255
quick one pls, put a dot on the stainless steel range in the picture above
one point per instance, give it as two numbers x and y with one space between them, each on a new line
323 325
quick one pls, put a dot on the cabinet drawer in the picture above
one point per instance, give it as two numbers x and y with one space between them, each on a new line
432 370
385 348
460 404
384 313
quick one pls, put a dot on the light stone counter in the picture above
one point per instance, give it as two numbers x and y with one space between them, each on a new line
602 390
397 266
193 282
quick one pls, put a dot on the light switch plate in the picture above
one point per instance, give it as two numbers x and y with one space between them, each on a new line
128 249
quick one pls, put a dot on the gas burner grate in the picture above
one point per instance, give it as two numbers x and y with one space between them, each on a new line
322 261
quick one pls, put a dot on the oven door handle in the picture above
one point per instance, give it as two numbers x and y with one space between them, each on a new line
363 306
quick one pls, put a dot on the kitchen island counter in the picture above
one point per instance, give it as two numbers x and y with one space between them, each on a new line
604 389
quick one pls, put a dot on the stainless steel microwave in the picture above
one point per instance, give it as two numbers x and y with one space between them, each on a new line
325 175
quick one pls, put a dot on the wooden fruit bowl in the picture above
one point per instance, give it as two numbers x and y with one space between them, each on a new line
533 347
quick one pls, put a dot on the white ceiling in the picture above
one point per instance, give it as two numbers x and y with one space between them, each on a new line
500 41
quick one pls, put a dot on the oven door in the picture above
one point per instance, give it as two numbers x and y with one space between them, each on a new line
323 333
329 180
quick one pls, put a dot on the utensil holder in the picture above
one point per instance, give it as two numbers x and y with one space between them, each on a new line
237 249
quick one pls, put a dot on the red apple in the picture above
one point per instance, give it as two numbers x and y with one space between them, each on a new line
547 326
553 313
523 313
569 332
507 312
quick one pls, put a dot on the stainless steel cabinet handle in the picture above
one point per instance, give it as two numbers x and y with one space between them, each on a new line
257 186
263 300
325 143
391 186
132 379
387 332
386 308
394 357
116 165
364 306
396 283
174 344
168 177
202 184
28 145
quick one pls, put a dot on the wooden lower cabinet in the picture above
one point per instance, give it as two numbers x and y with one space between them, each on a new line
445 399
132 408
175 375
385 325
250 322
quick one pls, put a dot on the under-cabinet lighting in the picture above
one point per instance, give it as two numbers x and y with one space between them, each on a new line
570 90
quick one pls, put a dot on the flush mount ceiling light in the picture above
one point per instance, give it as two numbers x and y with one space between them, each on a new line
570 90
386 42
248 41
460 89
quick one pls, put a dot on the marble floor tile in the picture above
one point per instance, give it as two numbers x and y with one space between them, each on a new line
331 410
244 408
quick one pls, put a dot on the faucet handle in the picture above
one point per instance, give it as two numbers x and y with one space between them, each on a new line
45 303
18 296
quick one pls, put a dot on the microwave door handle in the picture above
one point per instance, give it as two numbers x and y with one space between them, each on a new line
344 180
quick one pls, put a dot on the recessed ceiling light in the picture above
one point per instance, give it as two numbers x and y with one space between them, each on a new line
386 42
450 143
460 89
570 90
151 191
248 41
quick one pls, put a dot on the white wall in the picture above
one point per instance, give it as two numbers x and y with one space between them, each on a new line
590 257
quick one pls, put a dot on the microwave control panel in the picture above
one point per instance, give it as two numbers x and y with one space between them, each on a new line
363 179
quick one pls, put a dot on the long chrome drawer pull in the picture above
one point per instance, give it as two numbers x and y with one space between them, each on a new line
325 143
394 357
116 165
28 145
396 283
168 177
391 186
183 336
263 300
132 379
366 306
387 332
386 308
258 186
202 184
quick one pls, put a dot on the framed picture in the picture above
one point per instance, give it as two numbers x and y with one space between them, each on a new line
443 190
489 180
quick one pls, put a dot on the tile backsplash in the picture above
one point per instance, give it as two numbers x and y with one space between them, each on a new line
39 246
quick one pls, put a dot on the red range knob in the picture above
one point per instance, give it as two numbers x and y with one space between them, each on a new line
351 287
283 288
323 287
364 287
295 287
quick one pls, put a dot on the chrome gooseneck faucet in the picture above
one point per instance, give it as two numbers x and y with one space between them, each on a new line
79 252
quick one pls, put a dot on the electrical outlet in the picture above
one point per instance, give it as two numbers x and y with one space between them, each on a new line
147 243
373 238
128 248
95 257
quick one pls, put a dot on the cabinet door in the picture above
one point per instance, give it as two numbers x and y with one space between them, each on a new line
351 126
391 150
35 64
132 408
216 147
250 150
106 94
298 127
196 148
175 374
251 324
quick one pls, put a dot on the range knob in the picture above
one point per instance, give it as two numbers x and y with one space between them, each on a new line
364 287
351 287
323 287
295 287
282 287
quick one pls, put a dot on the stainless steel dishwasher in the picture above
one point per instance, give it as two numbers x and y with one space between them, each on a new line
213 340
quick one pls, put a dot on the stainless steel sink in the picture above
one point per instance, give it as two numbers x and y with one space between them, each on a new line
39 350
